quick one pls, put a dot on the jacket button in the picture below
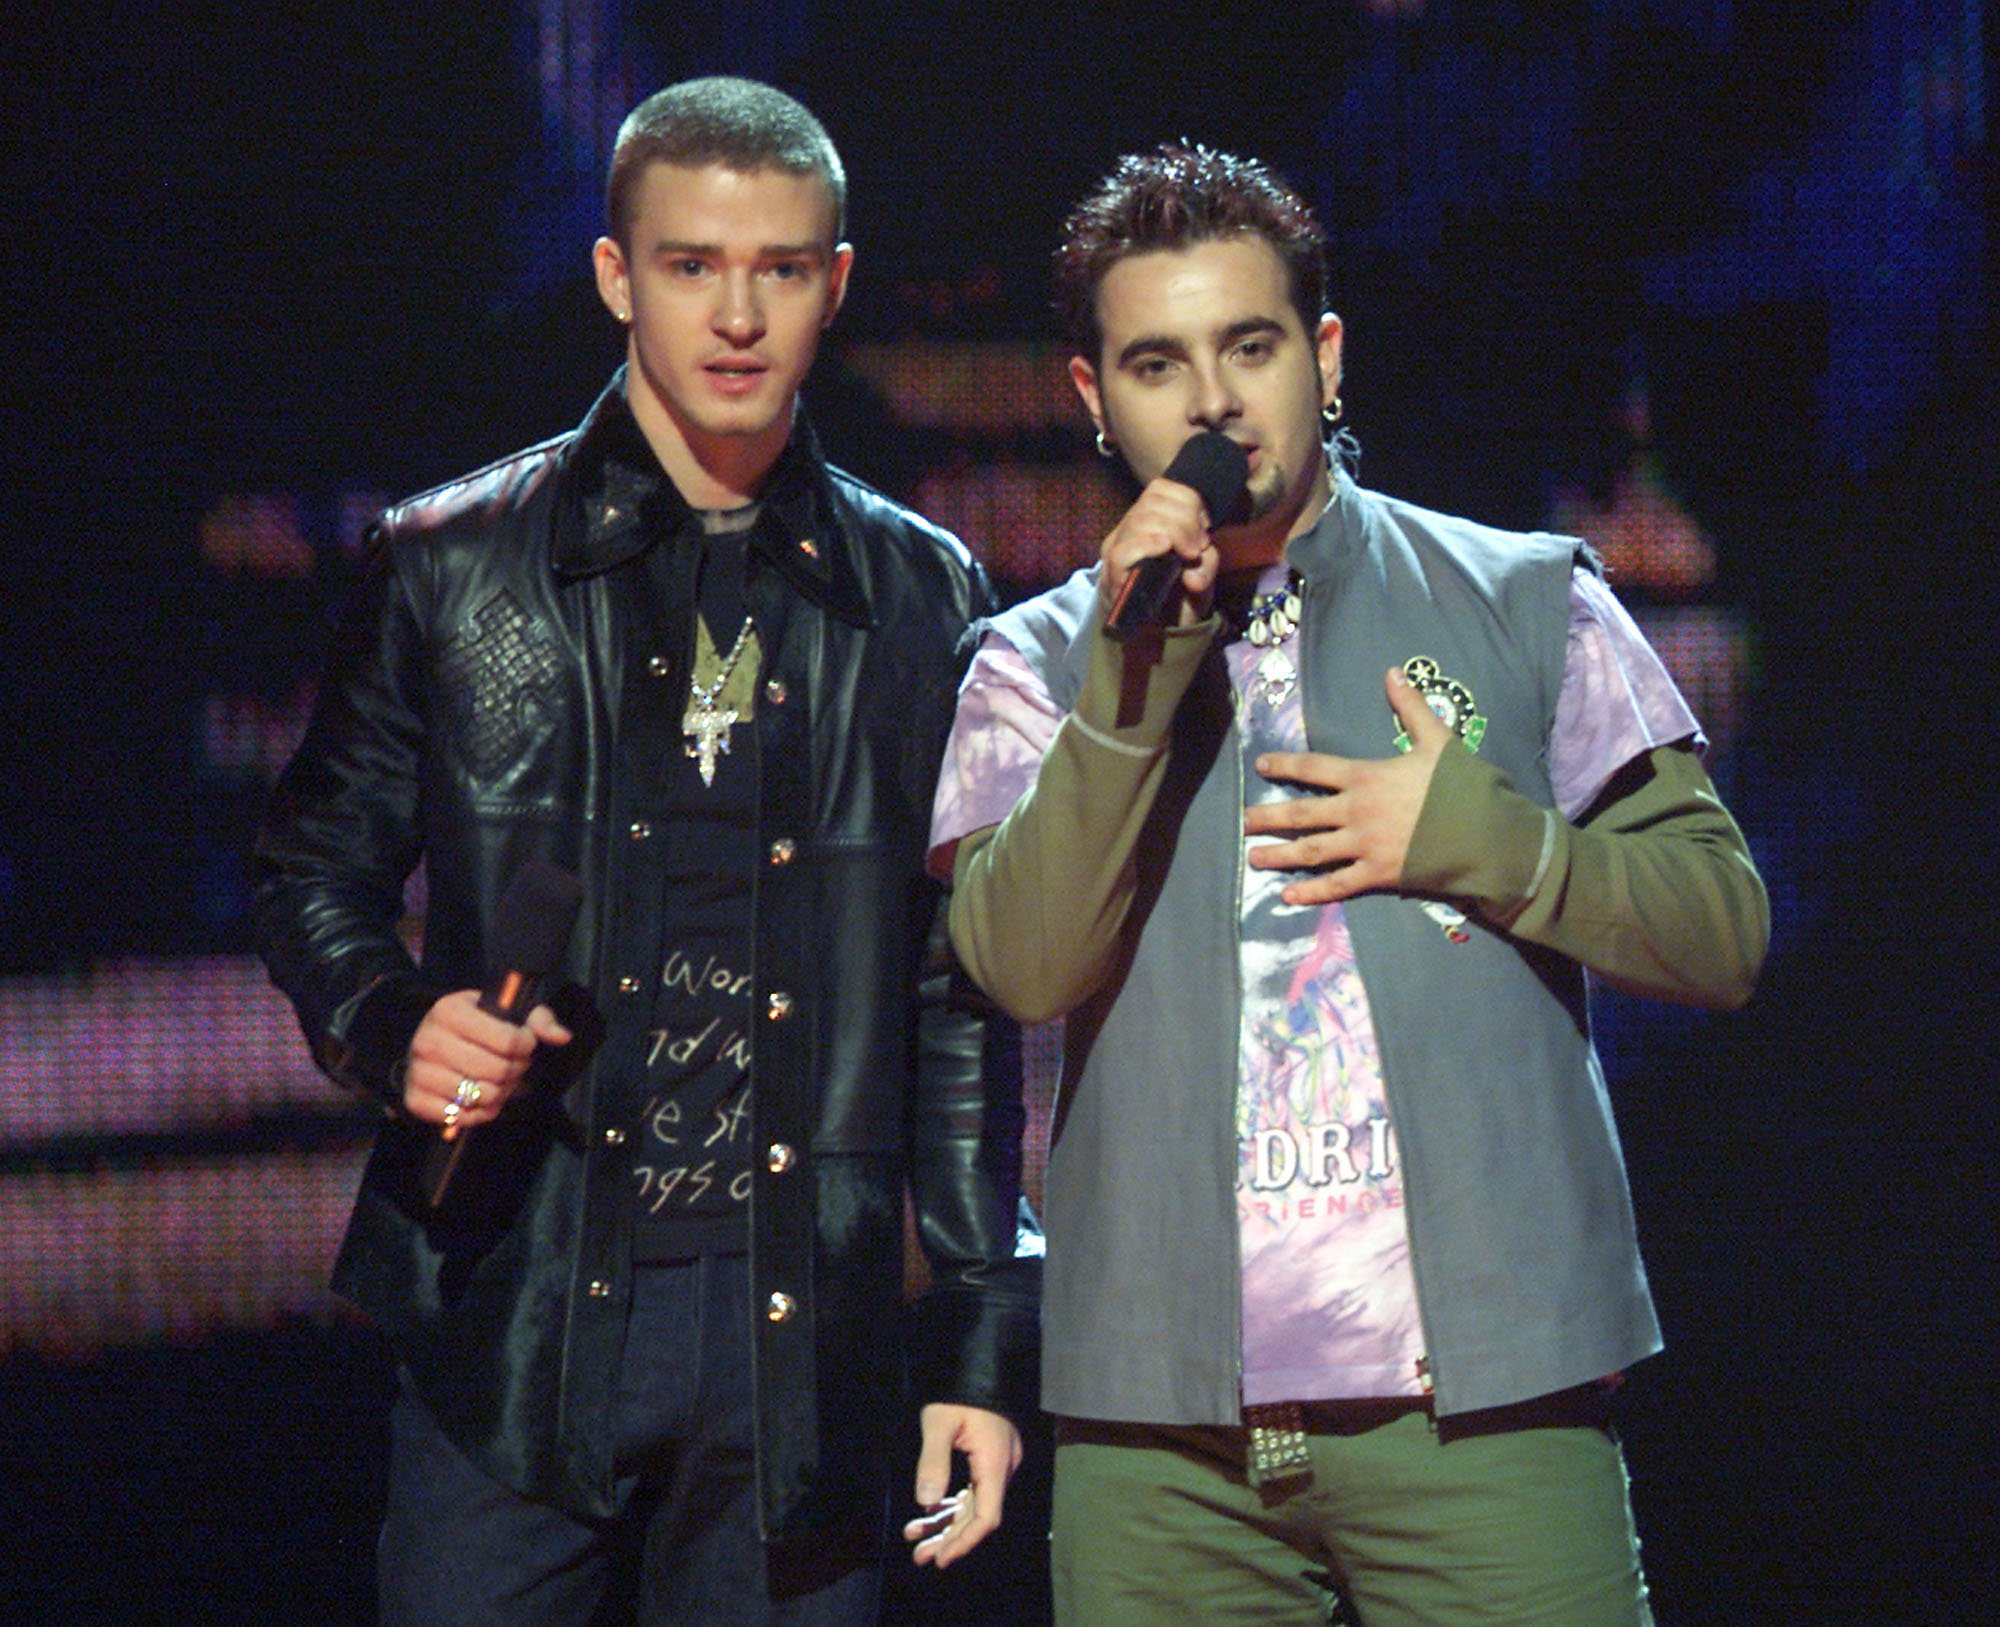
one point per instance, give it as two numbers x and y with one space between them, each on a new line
784 850
628 985
781 1157
778 1006
640 830
599 1288
780 1307
775 691
614 1137
808 547
659 666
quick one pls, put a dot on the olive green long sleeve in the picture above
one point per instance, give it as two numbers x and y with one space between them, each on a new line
1038 900
1653 888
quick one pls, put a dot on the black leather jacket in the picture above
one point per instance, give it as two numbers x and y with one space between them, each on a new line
507 676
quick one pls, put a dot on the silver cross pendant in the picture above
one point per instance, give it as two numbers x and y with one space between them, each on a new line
707 727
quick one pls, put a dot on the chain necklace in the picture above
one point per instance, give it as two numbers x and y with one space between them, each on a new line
706 724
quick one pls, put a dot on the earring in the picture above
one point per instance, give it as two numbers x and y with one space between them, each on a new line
1331 413
1103 446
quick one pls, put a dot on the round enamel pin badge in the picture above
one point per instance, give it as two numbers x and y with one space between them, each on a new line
1448 698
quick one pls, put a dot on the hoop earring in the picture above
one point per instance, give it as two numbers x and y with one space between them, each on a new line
1104 449
1331 413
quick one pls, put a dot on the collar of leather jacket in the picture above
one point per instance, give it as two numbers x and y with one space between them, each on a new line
614 501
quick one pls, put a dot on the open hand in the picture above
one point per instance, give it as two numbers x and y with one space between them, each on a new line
1357 833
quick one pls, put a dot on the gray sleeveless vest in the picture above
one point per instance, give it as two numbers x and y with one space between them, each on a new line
1521 1236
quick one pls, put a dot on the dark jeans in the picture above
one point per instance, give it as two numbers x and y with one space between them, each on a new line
458 1548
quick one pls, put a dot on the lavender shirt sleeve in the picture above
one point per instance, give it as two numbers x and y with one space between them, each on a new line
1617 700
1005 721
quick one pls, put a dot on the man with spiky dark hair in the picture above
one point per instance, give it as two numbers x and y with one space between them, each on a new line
1314 860
649 1315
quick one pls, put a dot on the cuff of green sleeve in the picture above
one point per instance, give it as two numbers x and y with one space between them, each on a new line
1477 839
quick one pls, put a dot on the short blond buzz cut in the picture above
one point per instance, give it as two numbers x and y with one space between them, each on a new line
738 123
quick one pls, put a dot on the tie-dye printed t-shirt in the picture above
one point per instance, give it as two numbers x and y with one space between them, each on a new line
1329 1302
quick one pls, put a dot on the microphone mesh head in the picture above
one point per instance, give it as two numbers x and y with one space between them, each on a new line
532 921
1218 470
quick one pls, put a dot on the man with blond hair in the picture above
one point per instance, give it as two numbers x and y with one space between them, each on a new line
651 1329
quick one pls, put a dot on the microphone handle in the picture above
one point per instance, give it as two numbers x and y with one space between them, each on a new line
1144 596
440 1164
510 996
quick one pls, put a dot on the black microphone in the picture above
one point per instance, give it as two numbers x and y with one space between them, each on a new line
531 928
1219 471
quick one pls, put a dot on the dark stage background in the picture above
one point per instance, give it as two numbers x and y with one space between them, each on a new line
1709 283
